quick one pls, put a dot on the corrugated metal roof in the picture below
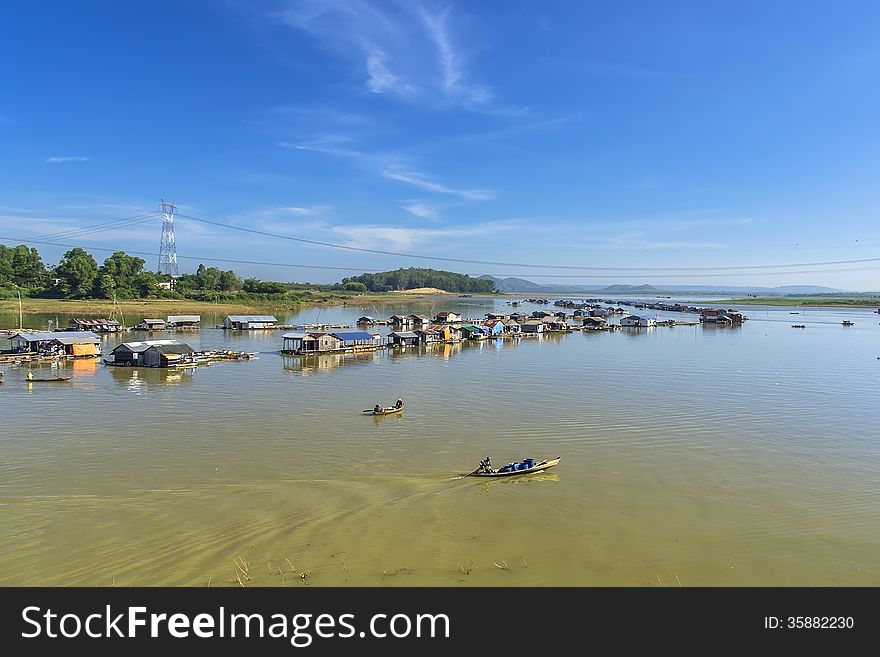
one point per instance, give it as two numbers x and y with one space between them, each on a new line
251 318
47 336
353 335
294 336
184 318
78 340
403 334
180 348
138 347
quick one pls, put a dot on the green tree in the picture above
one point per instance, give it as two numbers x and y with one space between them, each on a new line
145 285
6 254
28 269
229 282
106 286
354 286
124 270
78 272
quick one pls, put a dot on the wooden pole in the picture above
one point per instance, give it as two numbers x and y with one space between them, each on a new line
20 321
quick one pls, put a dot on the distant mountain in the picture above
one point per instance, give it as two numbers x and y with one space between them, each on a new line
522 286
629 289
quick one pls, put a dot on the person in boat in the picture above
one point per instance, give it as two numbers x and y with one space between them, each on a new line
30 376
399 404
486 465
377 409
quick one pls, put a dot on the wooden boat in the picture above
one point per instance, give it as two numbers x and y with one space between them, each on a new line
846 322
539 466
798 326
51 379
388 410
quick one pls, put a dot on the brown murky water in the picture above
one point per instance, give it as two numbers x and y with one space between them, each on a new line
691 456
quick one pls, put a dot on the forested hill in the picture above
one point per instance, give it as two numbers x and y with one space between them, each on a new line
408 279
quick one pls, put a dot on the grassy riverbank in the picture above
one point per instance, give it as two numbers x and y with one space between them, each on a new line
162 307
831 302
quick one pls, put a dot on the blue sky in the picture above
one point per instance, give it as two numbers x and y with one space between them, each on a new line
652 135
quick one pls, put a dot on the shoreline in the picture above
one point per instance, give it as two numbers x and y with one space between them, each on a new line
187 306
819 302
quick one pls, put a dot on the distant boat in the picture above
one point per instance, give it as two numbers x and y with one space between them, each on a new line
517 469
51 379
388 410
798 326
846 322
794 313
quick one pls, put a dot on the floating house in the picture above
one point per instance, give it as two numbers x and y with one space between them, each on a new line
511 326
339 342
600 312
430 336
595 322
79 344
519 317
151 325
473 332
541 314
636 321
494 326
95 325
184 321
403 339
131 353
447 318
366 320
400 320
359 340
419 321
532 326
165 355
244 322
497 316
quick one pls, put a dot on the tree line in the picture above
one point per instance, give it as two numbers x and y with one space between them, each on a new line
415 277
121 276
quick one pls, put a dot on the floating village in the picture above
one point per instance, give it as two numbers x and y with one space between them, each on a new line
81 339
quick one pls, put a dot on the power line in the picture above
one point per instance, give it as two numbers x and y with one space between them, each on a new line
100 227
371 271
492 263
200 258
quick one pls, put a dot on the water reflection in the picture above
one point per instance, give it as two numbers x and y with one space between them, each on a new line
135 379
311 364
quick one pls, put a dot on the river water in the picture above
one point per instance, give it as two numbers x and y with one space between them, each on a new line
690 456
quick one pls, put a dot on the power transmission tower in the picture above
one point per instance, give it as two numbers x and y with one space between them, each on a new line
167 249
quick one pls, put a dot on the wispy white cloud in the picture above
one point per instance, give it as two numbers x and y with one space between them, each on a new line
392 167
406 48
420 209
399 238
641 241
423 181
59 159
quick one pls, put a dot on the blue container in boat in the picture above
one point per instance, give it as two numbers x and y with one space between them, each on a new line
528 463
516 466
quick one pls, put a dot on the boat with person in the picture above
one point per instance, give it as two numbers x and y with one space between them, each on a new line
526 466
846 322
49 379
798 326
387 410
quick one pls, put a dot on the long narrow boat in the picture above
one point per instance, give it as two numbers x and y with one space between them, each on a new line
50 379
538 467
389 410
